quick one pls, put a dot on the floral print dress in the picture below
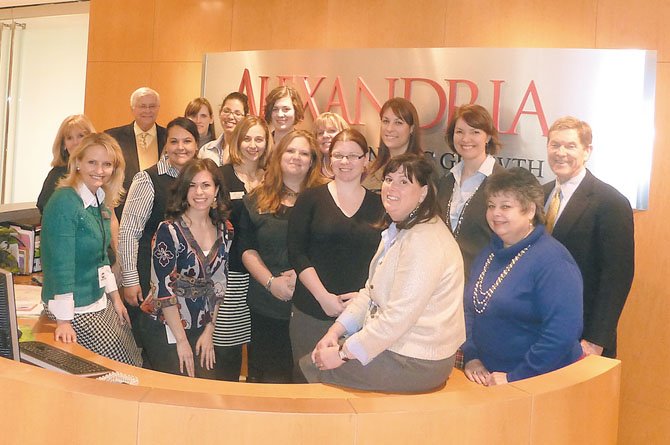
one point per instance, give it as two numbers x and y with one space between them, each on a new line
182 275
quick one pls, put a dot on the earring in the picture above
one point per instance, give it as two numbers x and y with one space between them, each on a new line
213 205
413 213
77 168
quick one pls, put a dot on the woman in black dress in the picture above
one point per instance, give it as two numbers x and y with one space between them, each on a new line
293 167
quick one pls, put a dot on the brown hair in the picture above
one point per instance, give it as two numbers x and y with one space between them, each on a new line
406 111
417 168
523 185
477 117
193 108
572 123
178 201
268 194
240 132
350 135
281 92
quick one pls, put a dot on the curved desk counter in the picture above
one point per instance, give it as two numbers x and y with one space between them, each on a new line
577 404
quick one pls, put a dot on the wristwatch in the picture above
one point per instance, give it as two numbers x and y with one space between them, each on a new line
342 354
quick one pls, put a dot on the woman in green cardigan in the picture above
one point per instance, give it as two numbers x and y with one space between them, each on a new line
79 290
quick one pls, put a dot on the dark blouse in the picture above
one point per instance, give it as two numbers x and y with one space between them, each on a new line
266 234
474 232
235 187
338 247
49 186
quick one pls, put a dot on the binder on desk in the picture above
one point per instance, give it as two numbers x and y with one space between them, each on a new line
27 251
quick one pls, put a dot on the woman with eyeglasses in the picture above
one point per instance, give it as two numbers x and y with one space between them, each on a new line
332 238
283 111
326 126
233 109
400 332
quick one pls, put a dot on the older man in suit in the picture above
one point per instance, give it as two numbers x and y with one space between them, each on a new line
142 140
595 223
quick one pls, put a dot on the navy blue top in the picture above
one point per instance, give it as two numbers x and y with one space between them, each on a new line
533 321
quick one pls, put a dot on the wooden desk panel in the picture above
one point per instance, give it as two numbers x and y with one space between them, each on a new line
554 408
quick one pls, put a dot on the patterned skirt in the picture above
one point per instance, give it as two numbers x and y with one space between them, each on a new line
102 333
233 323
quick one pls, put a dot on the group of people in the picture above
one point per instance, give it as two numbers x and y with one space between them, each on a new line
330 264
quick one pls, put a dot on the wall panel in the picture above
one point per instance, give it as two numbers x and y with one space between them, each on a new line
121 30
386 24
177 83
521 23
279 24
186 29
108 89
624 24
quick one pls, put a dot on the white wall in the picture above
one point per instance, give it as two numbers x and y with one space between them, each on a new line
51 80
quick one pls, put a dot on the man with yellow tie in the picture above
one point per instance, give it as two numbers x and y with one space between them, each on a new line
595 223
142 140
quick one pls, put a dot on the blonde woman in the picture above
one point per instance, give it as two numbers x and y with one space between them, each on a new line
326 126
70 133
79 289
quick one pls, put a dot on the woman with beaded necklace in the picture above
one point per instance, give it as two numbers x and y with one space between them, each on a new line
472 135
523 302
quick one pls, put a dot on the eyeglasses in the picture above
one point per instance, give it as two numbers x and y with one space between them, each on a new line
147 106
236 114
350 158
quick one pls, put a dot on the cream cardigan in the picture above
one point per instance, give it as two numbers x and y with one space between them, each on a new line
412 303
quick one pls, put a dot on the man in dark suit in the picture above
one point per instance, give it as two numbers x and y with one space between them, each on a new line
142 140
595 223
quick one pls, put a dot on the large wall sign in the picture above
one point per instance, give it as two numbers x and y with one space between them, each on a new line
524 89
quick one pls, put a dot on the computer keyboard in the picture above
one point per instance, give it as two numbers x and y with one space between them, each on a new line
50 357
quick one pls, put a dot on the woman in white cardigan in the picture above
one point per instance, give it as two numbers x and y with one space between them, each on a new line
402 330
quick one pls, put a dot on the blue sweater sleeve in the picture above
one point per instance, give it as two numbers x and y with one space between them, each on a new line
558 293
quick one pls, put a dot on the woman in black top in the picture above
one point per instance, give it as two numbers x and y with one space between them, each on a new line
248 154
331 241
71 131
293 167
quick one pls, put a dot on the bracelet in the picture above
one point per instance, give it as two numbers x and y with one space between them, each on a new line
342 354
268 285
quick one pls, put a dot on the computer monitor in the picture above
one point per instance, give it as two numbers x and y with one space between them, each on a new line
9 331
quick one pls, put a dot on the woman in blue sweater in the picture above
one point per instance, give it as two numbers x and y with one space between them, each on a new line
523 301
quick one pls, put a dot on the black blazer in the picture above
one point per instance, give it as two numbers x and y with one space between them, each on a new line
475 232
596 226
125 136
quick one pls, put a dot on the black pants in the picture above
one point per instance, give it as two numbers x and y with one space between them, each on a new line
270 356
228 362
163 356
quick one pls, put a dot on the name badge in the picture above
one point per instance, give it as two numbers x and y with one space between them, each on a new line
103 273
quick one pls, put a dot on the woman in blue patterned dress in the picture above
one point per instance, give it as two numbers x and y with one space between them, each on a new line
189 268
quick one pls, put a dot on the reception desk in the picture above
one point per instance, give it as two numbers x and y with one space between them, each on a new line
577 404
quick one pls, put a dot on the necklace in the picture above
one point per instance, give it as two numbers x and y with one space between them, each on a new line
288 192
457 230
480 304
